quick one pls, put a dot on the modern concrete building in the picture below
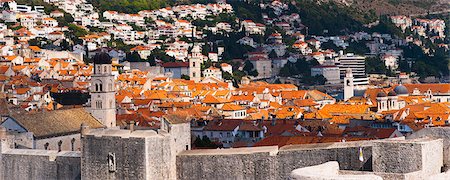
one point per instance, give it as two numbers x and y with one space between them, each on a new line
331 73
356 64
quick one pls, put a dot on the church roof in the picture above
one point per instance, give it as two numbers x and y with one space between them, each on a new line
401 90
381 94
392 93
55 123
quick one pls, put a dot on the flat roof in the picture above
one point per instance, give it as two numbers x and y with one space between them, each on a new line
272 150
123 133
38 152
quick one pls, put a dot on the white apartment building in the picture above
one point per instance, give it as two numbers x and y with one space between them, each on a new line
356 64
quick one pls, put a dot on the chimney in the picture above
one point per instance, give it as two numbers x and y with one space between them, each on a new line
274 121
84 130
131 126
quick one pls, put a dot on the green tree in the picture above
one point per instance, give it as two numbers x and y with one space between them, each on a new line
314 80
160 54
248 66
273 54
357 47
227 76
204 142
5 6
151 61
253 73
206 64
185 77
375 65
76 30
133 57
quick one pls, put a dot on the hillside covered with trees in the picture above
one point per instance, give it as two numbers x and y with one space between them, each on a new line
134 6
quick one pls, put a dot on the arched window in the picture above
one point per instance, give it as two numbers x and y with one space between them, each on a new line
46 146
96 87
98 104
101 87
73 144
59 145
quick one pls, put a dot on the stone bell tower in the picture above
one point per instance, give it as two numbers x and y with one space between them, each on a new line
348 85
103 103
195 62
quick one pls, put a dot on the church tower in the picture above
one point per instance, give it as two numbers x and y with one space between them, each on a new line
195 62
348 85
103 103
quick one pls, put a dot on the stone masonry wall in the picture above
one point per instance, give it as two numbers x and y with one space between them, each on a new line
129 153
39 164
294 157
242 163
269 162
158 159
437 132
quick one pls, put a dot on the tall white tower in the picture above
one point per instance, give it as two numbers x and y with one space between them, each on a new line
348 85
103 103
195 62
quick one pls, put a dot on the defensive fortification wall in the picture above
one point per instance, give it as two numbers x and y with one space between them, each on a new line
437 132
36 164
148 155
39 164
269 162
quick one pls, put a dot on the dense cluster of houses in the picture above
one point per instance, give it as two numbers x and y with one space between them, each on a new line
250 115
230 114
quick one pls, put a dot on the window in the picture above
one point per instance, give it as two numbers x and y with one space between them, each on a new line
72 142
112 162
46 146
96 87
59 145
101 87
98 104
193 65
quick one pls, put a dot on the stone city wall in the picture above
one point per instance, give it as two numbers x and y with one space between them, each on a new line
440 133
39 164
95 158
269 162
